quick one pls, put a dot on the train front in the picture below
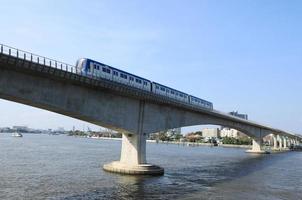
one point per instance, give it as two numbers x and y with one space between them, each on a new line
81 66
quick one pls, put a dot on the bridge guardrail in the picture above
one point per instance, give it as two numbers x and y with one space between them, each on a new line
42 60
11 51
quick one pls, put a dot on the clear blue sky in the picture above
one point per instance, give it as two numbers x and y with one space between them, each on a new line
241 55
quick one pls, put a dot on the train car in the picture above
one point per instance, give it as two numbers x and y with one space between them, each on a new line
169 92
200 102
93 68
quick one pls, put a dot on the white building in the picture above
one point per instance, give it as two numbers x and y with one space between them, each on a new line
174 131
229 132
211 133
233 133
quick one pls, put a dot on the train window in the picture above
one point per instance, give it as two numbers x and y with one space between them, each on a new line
156 87
138 81
108 71
145 83
104 69
172 92
131 78
115 73
181 95
162 89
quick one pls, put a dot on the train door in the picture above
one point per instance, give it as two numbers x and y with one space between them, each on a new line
89 70
115 76
146 85
132 81
155 88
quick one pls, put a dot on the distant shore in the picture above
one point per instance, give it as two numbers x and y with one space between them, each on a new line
200 144
191 144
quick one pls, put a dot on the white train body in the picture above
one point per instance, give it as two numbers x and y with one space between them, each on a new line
169 92
91 68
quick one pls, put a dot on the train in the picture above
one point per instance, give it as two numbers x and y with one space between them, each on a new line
90 68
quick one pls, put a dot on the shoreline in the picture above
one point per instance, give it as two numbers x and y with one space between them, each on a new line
190 144
194 144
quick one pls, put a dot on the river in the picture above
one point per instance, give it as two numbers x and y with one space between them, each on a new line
65 168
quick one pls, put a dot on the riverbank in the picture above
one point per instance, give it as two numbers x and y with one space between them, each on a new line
200 144
191 144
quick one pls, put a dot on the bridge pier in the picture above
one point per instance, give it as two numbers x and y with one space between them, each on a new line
280 142
275 142
133 158
284 143
256 148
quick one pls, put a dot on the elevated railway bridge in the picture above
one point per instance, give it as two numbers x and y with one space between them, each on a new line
58 87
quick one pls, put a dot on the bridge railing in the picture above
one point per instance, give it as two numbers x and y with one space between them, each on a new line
34 58
7 50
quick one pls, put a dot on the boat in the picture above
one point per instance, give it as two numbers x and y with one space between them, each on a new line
16 134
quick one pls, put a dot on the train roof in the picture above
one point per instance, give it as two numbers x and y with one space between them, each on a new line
201 99
118 69
182 92
170 88
90 60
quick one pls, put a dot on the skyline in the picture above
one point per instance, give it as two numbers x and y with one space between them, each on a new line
226 54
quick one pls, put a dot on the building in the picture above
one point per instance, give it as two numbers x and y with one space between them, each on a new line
60 130
174 131
229 132
21 129
211 133
233 133
5 130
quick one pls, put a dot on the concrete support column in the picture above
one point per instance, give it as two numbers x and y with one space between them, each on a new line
284 142
133 157
279 139
133 152
275 142
133 149
256 148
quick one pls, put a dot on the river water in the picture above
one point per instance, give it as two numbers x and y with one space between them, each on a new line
63 167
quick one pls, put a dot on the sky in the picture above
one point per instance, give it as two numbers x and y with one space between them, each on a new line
241 55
